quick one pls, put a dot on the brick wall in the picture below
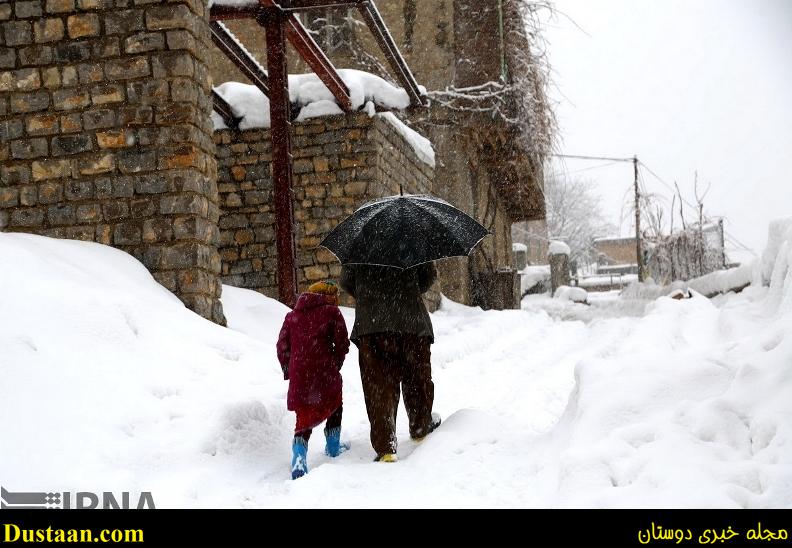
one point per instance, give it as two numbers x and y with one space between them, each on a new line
105 133
340 162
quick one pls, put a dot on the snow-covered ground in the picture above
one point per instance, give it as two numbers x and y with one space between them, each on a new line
110 384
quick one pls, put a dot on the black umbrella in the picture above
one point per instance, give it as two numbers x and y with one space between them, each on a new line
404 231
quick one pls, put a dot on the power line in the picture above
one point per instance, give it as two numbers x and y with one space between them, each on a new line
694 208
612 160
580 157
566 172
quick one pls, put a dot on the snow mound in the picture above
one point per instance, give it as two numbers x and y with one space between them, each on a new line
650 290
113 382
779 233
696 395
723 281
573 294
531 276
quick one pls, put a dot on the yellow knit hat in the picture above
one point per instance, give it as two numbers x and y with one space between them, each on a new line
327 287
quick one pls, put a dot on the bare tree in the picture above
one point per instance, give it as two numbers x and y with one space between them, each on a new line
681 208
575 215
521 97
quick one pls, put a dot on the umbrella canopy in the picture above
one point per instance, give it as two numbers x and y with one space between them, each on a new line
404 231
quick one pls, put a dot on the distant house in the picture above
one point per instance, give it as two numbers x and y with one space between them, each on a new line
615 252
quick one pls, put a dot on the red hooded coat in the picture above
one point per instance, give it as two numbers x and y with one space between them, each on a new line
311 349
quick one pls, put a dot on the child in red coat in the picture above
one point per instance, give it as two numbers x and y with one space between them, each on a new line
311 349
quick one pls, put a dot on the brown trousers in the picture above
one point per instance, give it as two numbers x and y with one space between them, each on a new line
388 362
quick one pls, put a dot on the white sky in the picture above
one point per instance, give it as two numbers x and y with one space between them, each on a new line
686 85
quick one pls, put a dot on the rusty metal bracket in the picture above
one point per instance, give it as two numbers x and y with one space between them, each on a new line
227 42
222 108
372 18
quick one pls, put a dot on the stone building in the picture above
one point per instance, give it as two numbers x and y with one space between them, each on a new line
339 162
470 55
106 135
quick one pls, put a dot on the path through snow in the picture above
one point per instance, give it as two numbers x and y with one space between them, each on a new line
110 384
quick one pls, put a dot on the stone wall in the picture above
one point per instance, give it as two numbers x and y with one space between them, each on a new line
105 133
534 235
340 162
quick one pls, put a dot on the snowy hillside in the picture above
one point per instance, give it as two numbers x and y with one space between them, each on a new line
109 383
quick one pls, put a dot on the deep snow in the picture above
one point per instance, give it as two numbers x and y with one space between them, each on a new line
110 384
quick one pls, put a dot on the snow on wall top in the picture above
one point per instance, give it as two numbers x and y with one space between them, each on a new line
306 90
420 144
558 248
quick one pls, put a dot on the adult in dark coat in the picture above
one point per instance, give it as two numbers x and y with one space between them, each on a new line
394 334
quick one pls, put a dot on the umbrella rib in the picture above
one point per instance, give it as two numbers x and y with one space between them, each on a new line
355 241
453 235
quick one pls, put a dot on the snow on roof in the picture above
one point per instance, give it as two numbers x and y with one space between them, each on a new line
306 90
619 239
519 247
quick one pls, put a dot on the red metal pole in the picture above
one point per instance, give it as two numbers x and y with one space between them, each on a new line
274 21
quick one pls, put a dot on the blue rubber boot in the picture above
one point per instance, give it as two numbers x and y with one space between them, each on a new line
299 458
334 446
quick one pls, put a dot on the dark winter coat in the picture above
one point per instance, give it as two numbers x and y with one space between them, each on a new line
311 348
388 300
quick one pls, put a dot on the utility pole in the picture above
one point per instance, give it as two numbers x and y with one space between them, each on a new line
638 246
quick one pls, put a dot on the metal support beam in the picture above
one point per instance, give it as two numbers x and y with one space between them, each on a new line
227 42
314 56
274 24
226 13
299 5
318 61
373 19
224 110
